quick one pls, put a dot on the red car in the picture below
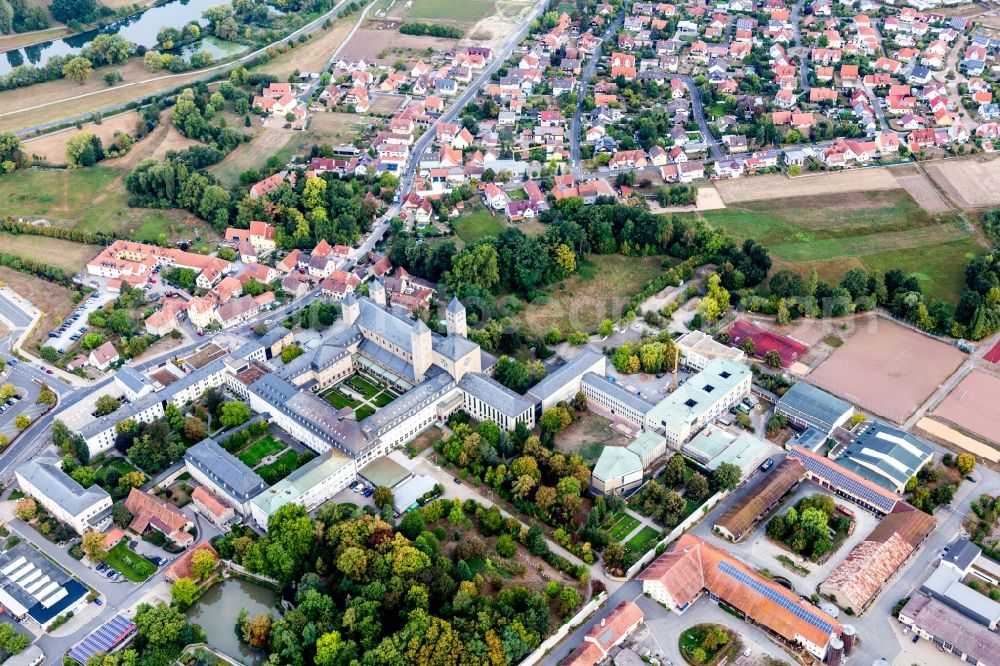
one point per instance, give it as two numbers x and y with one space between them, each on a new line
48 371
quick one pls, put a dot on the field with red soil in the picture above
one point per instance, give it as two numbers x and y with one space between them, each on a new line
764 341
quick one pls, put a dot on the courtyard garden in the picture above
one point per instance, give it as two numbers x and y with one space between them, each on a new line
805 528
708 644
262 448
133 566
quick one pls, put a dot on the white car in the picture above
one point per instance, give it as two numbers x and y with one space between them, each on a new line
746 653
906 630
437 467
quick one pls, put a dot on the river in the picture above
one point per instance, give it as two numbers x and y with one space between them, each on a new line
140 28
216 612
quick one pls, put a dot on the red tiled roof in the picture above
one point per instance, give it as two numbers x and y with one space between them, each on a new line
181 568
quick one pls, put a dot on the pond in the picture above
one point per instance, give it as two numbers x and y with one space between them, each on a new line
216 613
219 49
140 28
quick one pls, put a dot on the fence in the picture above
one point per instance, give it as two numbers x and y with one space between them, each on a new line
675 533
563 631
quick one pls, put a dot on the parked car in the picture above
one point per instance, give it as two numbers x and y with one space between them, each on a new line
457 481
767 464
906 630
916 637
98 602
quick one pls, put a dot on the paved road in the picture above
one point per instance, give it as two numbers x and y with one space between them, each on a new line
699 115
795 19
879 111
584 85
207 74
425 140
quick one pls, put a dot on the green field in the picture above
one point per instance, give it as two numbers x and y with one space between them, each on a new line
134 567
875 230
339 400
90 199
644 539
468 10
477 226
253 454
383 399
363 386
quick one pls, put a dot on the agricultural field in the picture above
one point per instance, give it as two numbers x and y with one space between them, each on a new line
338 128
970 183
64 254
252 155
600 289
381 43
736 190
312 55
879 229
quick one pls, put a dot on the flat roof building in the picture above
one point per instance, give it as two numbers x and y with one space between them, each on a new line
886 455
35 588
714 446
704 396
806 406
620 468
604 395
310 485
697 350
384 471
946 585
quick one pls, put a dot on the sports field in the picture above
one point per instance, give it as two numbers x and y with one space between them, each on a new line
973 406
765 341
880 230
900 368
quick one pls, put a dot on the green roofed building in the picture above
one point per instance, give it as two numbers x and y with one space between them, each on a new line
310 485
384 471
714 446
620 468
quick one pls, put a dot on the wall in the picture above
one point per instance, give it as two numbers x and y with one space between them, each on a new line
564 630
675 533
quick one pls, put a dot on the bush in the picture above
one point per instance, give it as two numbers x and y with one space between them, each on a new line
432 29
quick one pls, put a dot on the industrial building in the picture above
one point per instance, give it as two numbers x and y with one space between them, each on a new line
886 455
806 406
33 588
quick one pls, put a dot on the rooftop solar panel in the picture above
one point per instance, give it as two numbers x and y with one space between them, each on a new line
102 639
796 609
847 483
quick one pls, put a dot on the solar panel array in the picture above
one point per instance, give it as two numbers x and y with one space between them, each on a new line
102 639
778 598
846 483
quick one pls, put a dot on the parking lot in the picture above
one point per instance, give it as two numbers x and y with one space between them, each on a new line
75 324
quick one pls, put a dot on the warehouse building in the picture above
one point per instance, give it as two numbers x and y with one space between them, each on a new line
886 455
806 406
950 630
740 519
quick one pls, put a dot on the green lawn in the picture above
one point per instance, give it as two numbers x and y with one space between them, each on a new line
266 446
363 386
363 412
339 400
468 10
383 399
476 226
286 463
123 466
518 195
134 567
623 527
88 199
875 230
644 539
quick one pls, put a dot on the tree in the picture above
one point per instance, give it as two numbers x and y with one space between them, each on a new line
22 421
184 593
726 476
78 69
93 545
257 630
233 413
85 476
965 463
696 487
25 509
7 391
382 497
290 353
83 150
786 283
195 429
329 647
82 11
772 358
506 546
203 562
106 404
161 625
606 328
673 472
